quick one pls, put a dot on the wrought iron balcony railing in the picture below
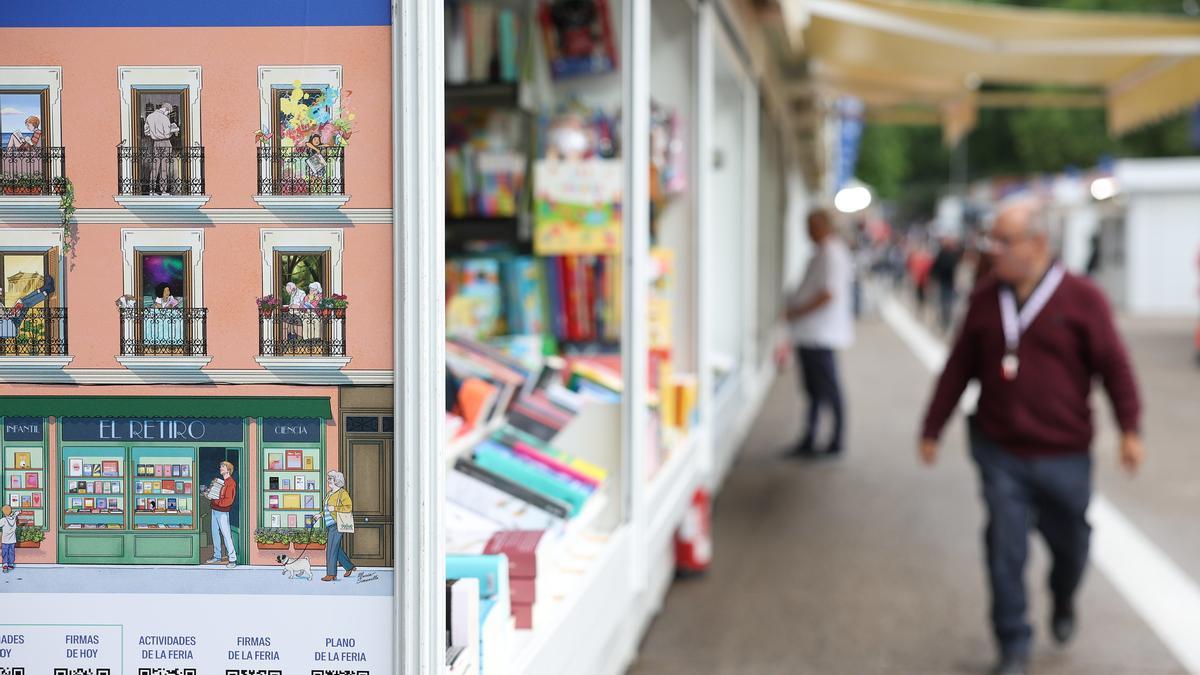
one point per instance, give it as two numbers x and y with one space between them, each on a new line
299 331
301 171
160 170
33 331
164 331
33 170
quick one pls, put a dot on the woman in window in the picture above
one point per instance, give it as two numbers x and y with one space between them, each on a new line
312 326
162 325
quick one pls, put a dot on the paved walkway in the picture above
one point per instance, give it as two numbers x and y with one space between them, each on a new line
873 564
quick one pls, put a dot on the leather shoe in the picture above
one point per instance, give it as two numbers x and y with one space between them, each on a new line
1011 664
350 571
1062 624
804 450
329 578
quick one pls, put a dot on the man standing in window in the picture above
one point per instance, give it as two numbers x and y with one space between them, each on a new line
225 489
1034 337
821 313
159 129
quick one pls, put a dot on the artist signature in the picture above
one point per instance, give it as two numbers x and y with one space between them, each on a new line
364 577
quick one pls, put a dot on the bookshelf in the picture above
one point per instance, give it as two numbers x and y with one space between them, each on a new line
93 489
25 480
291 486
164 489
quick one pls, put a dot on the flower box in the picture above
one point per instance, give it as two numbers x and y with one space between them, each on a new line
29 544
283 546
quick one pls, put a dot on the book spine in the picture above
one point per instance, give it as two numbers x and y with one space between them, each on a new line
506 27
554 463
553 506
521 471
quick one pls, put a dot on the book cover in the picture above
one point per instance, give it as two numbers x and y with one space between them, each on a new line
291 520
273 483
172 504
274 520
185 470
176 470
275 461
37 500
168 486
88 502
291 501
310 501
298 482
273 501
308 463
75 467
14 481
109 467
294 459
22 460
285 484
309 520
26 502
556 507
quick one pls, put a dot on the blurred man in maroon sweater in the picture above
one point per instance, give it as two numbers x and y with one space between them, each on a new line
1034 337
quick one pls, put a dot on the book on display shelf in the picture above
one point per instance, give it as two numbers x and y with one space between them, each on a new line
22 460
14 481
555 507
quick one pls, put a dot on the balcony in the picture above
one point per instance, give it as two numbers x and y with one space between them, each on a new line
32 180
301 177
160 177
299 338
35 331
164 338
33 171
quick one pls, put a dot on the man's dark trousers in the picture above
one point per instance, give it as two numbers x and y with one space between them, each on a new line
1050 492
818 372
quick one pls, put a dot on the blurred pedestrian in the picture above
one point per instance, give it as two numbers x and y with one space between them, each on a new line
820 313
1035 337
945 273
920 262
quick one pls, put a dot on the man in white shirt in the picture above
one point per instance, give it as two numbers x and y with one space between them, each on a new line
821 317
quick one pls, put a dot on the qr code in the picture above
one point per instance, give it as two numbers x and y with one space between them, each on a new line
341 672
235 671
166 671
16 670
82 671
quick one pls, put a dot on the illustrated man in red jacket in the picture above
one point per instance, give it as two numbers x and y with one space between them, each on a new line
221 506
1034 337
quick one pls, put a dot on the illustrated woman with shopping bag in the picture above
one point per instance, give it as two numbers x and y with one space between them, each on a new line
339 520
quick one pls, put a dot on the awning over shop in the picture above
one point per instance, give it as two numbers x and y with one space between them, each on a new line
904 52
165 406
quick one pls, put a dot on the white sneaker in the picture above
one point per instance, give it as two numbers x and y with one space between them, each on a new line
214 561
232 564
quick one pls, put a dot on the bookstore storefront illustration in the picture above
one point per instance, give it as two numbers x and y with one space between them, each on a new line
131 490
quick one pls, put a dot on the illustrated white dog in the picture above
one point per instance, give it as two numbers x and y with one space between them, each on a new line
295 568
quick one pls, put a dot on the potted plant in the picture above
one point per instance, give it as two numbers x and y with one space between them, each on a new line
267 306
23 185
311 539
335 304
30 536
271 539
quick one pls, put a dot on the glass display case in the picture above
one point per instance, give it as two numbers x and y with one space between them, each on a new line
291 487
164 489
93 489
24 483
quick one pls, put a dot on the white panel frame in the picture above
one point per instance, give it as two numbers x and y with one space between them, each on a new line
133 240
39 77
131 77
299 241
418 199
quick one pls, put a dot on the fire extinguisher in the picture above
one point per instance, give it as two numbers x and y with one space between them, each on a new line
693 539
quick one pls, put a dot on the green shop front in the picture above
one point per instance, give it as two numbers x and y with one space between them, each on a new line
111 488
131 488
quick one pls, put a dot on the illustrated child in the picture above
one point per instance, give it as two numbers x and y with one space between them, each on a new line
8 538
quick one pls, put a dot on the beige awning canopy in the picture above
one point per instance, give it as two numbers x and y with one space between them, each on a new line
905 53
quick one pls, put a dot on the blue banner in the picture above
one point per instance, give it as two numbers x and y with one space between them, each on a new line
850 119
185 430
277 430
24 428
195 14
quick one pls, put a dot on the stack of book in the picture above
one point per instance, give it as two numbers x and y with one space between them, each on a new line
482 42
523 548
462 625
495 620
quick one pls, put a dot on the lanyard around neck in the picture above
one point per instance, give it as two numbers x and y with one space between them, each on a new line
1015 323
